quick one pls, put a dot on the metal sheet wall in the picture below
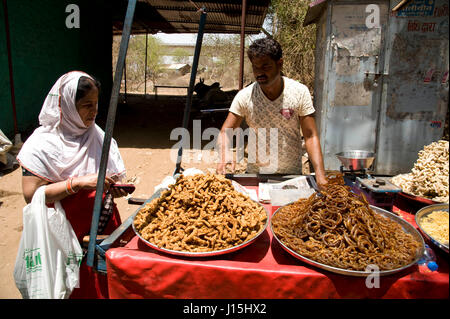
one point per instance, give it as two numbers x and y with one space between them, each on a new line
349 98
372 92
415 93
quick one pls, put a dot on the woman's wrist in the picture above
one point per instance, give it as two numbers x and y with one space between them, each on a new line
73 185
69 189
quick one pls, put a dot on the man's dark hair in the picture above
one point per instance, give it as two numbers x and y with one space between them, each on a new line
265 46
86 84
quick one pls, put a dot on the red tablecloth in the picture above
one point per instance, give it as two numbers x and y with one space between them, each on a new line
262 270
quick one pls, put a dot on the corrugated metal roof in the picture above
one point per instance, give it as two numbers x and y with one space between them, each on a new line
182 16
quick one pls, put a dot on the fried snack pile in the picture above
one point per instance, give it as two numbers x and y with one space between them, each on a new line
429 176
200 213
340 230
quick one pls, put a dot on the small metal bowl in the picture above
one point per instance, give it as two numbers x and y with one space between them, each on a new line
426 211
356 159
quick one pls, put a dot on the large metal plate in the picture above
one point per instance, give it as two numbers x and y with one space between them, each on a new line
418 199
414 198
202 254
426 211
407 227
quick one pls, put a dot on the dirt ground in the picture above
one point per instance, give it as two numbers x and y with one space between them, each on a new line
142 130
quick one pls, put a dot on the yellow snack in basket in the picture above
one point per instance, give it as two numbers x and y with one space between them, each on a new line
436 225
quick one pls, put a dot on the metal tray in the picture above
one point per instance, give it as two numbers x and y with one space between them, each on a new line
428 210
202 254
407 227
413 197
418 199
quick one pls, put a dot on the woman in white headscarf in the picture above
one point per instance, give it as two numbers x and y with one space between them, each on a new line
64 154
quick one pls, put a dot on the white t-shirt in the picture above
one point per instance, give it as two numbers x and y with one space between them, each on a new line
276 125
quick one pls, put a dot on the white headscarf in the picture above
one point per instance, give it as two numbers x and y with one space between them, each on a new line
63 146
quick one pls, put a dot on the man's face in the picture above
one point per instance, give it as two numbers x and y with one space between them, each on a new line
266 70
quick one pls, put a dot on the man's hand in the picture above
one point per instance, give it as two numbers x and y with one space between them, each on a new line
321 181
232 122
222 168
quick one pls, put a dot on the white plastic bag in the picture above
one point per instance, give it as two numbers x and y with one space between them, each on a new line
5 145
49 256
169 180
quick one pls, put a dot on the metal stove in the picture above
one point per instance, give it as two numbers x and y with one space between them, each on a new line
356 168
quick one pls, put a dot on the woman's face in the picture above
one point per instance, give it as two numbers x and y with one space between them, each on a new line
87 107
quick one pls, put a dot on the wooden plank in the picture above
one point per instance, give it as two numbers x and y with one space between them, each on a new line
401 4
171 86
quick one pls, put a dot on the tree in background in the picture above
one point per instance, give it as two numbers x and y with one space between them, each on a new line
135 60
220 58
180 55
298 42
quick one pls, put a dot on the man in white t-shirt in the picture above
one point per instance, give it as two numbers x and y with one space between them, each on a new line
277 110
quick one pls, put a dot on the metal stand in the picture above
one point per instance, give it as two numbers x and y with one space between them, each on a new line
108 133
187 109
96 249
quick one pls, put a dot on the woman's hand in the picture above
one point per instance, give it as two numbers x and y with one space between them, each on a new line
90 182
58 191
118 192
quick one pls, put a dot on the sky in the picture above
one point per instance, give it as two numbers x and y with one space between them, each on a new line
190 38
186 38
177 38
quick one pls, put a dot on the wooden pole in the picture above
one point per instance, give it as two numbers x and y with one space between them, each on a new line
125 76
10 66
401 4
145 67
187 109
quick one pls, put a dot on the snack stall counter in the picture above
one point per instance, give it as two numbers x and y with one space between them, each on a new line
261 270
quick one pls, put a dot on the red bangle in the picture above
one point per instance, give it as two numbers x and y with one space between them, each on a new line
69 189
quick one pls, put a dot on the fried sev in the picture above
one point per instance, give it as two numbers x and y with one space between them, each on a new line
429 176
436 225
200 213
